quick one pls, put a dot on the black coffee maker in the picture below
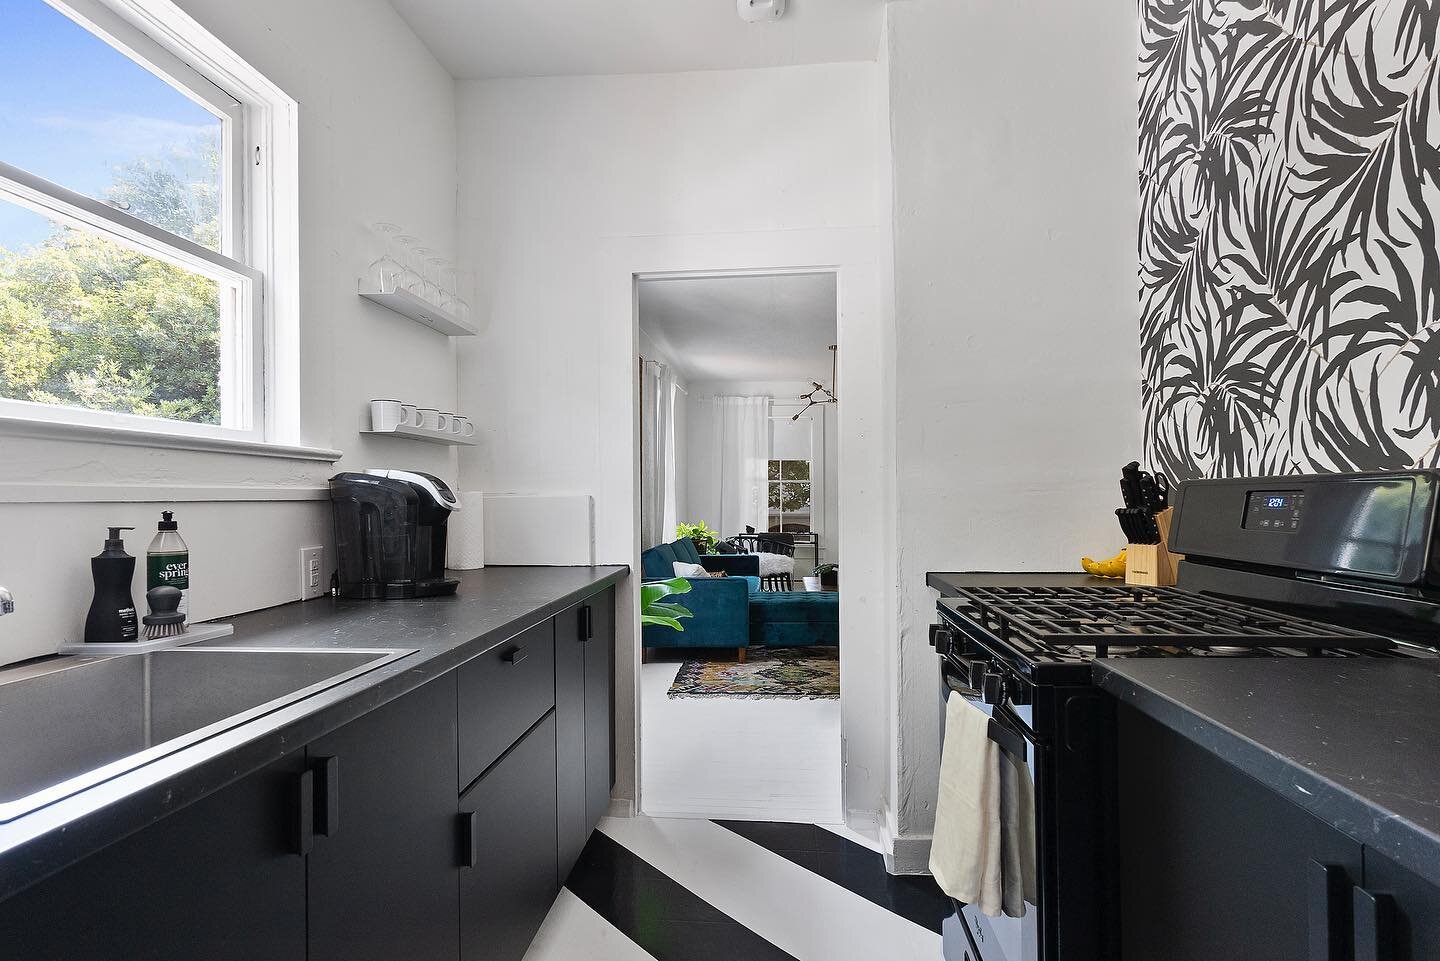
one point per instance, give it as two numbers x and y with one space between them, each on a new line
390 533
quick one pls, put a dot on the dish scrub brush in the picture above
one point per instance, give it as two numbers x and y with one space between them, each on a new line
164 619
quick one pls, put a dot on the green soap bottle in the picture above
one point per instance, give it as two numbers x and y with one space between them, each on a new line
167 562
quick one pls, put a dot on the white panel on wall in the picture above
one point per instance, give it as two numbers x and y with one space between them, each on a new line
545 530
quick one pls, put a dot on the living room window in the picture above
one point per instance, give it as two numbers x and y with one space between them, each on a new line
789 496
134 234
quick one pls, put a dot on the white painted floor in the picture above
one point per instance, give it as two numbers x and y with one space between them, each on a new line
752 760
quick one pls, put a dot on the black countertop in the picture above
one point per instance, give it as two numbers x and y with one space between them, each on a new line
1354 741
490 606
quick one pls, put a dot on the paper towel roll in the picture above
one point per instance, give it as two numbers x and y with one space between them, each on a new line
466 543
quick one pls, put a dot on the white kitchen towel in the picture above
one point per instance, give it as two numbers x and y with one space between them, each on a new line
465 533
965 850
1017 835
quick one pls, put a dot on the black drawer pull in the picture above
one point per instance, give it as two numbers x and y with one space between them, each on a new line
304 826
327 799
515 656
1374 926
1325 886
469 840
587 623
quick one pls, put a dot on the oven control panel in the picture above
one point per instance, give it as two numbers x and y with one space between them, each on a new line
1278 511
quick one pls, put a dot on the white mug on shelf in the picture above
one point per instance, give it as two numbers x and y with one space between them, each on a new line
386 415
429 418
409 415
444 421
457 424
467 429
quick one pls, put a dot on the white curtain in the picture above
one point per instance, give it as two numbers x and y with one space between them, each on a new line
657 454
744 455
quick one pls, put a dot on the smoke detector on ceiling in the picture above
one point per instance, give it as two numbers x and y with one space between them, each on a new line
758 11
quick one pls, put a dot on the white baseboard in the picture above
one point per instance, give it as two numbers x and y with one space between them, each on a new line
908 854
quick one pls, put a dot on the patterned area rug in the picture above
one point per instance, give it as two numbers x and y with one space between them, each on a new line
787 672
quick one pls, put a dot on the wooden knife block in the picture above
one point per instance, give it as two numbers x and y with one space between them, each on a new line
1153 565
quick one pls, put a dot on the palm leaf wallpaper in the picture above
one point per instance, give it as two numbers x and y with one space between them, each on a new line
1289 268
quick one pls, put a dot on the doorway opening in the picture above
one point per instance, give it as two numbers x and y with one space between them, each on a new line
739 451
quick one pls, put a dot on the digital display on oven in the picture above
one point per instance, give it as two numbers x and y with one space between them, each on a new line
1274 510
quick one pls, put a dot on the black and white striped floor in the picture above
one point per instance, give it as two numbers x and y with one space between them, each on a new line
662 889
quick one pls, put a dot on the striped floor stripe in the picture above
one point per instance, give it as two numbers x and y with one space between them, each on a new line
666 920
660 889
853 867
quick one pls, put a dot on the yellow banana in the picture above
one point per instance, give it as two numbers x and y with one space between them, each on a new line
1114 567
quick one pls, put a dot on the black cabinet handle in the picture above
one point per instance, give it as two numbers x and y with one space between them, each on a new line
587 623
469 840
327 796
515 656
304 826
1325 886
1374 926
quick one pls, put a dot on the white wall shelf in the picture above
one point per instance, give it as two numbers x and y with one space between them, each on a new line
430 436
421 311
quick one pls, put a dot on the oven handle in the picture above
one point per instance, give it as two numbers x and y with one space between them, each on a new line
1010 735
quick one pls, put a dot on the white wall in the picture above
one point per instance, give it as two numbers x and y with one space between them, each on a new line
704 451
1013 133
569 187
377 142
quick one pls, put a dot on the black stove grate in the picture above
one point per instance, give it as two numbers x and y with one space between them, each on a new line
1052 620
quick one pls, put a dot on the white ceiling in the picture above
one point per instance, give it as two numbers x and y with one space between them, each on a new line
543 38
743 328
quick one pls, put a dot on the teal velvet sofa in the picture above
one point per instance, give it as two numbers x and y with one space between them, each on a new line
721 605
795 619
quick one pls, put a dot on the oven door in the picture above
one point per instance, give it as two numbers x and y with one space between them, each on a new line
1002 938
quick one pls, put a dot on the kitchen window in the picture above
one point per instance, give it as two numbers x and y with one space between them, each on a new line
139 236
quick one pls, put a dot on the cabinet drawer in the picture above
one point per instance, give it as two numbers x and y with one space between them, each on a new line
508 826
502 693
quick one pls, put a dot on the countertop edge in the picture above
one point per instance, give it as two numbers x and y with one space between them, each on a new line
1359 818
123 806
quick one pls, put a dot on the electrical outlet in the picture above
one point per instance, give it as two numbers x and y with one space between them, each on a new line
312 572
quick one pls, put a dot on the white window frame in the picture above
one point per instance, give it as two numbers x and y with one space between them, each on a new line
259 241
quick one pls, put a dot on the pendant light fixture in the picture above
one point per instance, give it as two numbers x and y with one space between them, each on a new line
822 394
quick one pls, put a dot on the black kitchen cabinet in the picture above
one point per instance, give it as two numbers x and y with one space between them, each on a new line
384 865
221 879
1215 865
584 721
1396 914
509 850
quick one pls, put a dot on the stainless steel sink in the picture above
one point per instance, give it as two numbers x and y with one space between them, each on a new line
74 727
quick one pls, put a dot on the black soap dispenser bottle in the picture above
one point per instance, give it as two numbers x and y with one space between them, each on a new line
112 612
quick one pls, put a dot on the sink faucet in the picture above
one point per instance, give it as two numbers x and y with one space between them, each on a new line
7 602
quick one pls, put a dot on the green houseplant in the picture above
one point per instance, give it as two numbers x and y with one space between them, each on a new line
829 575
700 534
654 610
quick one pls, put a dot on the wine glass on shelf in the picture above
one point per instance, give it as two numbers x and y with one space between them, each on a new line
410 278
423 256
386 270
448 293
436 272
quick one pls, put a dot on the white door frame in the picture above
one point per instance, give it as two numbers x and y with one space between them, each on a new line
864 485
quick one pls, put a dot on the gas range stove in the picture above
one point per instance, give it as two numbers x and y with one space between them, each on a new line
1054 632
1355 572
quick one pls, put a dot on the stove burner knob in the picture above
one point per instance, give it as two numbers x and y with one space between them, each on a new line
977 675
941 638
994 688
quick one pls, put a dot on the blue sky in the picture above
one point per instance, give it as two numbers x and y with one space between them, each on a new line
73 110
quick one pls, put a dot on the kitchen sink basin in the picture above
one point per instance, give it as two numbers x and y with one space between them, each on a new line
72 728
